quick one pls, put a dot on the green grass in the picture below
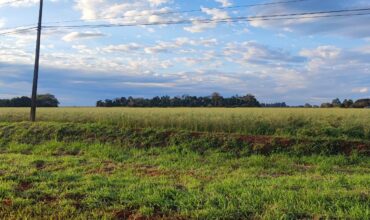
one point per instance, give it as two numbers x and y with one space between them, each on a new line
79 181
122 163
336 123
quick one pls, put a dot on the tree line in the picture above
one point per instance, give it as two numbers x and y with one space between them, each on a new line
214 100
217 100
45 100
347 103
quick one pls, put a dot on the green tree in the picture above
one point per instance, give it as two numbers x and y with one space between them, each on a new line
250 101
47 100
216 99
336 103
326 105
362 103
347 103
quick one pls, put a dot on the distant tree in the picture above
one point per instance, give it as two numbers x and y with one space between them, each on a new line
336 103
274 105
362 103
326 105
47 100
4 103
108 103
100 103
21 101
347 103
250 101
216 99
308 105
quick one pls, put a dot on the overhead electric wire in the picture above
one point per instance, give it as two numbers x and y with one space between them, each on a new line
333 13
177 12
17 31
158 13
305 15
11 2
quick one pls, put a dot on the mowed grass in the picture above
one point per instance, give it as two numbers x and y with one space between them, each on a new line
332 123
95 181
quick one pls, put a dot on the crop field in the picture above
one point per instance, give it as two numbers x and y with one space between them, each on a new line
185 163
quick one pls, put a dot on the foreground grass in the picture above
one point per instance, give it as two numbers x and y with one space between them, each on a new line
333 123
89 163
79 181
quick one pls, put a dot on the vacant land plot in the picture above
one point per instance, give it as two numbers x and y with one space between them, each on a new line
337 123
88 163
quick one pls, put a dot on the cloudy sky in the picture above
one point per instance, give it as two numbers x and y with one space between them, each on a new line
296 60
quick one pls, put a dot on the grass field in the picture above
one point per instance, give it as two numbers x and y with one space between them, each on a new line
337 123
88 163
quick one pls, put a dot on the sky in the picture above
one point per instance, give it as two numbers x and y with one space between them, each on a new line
297 61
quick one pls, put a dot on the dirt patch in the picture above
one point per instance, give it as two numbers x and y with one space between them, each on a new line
274 175
129 214
267 144
62 152
48 199
39 164
152 171
77 199
7 202
74 196
123 214
303 167
24 186
107 167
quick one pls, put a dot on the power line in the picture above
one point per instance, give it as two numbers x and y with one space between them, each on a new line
25 30
322 14
11 2
179 12
158 13
306 15
17 31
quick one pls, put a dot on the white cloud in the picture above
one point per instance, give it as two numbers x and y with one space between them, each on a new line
178 43
361 90
158 2
324 52
82 35
224 3
127 12
215 13
198 27
24 3
250 52
122 48
89 8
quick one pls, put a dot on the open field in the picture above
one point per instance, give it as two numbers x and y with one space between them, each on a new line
335 123
89 163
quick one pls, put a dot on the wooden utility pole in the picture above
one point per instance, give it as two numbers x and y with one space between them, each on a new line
36 70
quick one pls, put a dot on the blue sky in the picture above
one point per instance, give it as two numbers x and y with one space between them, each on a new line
297 61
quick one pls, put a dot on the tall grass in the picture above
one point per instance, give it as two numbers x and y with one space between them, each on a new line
338 123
